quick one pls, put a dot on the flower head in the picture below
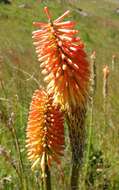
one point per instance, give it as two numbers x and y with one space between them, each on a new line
106 71
45 131
63 60
93 55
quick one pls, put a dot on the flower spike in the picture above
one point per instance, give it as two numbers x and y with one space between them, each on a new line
62 58
45 130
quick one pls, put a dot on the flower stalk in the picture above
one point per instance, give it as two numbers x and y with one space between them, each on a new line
106 72
93 85
67 72
76 122
44 134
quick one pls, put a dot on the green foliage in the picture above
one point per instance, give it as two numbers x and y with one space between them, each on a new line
20 76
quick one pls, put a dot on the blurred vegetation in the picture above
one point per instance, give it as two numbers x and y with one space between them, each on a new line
20 76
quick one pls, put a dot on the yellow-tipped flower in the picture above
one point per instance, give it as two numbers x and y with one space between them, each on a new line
45 130
63 60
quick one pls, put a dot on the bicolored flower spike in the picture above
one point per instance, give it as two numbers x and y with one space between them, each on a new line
63 60
45 130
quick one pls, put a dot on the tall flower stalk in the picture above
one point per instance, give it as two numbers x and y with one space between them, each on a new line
45 134
63 61
93 84
92 94
106 72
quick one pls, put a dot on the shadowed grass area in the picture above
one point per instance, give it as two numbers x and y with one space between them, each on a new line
20 76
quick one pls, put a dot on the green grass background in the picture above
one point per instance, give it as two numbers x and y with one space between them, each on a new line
20 76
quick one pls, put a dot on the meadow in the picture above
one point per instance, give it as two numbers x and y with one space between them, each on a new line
20 75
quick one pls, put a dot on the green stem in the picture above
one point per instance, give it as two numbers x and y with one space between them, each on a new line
76 123
47 179
75 176
21 162
90 130
90 134
46 182
21 167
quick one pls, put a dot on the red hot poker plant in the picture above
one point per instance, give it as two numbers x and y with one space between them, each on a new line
63 61
45 131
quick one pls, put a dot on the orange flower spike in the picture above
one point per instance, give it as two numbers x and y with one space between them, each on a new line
45 130
63 60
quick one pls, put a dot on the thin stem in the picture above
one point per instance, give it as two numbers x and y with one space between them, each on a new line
21 166
14 142
17 148
46 179
26 73
3 88
90 130
105 112
9 159
90 134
